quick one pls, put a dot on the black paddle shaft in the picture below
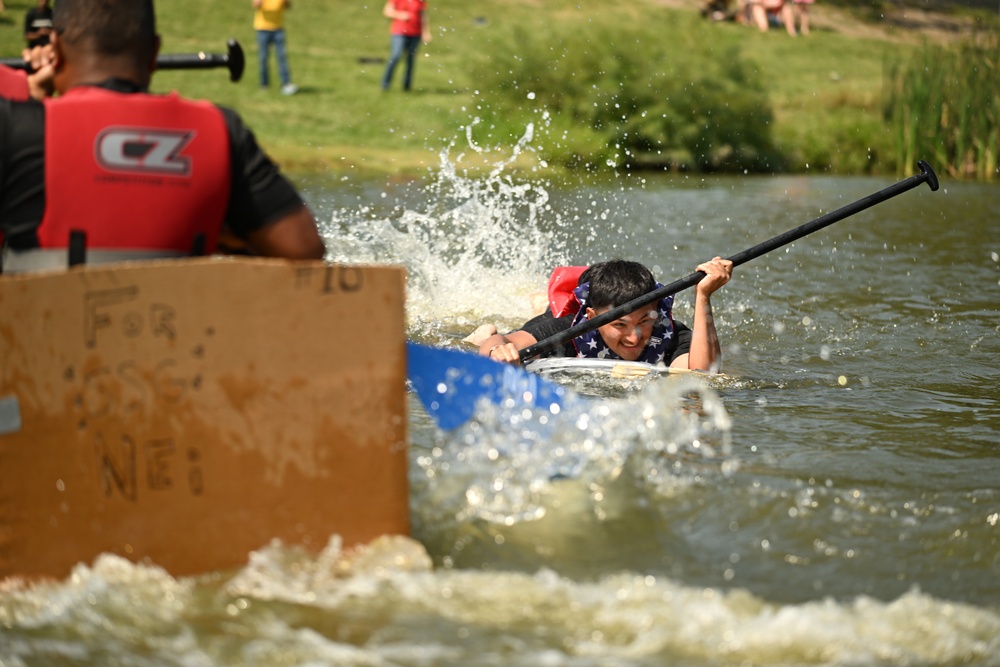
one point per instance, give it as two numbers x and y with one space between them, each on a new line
926 175
232 60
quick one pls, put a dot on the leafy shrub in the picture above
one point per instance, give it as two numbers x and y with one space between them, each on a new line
669 96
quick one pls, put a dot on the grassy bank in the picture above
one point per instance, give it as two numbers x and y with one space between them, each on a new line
823 92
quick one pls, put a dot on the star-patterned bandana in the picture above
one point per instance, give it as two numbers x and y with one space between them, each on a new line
591 345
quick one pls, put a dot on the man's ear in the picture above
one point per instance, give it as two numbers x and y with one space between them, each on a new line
155 54
58 57
591 313
60 65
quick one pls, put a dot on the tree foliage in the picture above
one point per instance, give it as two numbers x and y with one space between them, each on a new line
634 97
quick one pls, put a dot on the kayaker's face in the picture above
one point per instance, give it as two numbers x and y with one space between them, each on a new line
627 336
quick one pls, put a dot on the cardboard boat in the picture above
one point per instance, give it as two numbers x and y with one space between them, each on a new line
186 412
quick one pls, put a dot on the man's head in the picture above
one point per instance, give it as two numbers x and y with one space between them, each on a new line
105 38
613 283
617 281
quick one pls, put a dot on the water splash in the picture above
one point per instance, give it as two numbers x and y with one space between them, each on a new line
383 603
474 250
503 465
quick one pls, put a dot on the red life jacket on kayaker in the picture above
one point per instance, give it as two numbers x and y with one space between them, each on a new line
13 84
134 171
562 282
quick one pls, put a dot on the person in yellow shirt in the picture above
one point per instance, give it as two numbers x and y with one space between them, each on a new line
268 22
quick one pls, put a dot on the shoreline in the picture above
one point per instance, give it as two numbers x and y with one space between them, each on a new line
824 88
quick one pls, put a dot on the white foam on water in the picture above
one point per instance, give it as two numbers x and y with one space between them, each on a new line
111 610
631 618
384 604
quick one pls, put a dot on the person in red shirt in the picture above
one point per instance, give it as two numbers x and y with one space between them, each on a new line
409 27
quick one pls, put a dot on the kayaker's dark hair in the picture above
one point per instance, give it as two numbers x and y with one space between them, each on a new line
108 27
617 281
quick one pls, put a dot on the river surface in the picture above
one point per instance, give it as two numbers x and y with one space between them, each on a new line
832 499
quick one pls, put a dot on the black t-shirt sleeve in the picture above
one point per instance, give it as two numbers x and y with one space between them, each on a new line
545 326
682 341
259 193
22 172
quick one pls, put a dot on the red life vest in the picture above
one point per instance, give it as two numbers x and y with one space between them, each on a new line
562 282
134 171
13 84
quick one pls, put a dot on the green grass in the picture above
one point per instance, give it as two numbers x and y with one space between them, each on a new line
824 90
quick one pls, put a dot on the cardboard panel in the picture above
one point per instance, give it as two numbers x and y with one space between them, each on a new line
190 411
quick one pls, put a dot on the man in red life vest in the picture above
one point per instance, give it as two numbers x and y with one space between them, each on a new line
649 334
135 171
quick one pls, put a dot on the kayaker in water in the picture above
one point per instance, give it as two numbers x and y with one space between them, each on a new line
649 334
133 170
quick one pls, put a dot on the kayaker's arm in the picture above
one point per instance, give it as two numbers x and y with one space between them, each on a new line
265 210
706 352
293 236
506 347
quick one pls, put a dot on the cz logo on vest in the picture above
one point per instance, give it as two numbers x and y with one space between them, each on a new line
144 150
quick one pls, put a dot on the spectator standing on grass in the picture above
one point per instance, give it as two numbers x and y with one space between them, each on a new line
269 24
409 27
